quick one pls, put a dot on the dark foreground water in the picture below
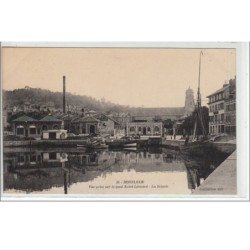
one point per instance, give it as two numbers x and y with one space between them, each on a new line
76 171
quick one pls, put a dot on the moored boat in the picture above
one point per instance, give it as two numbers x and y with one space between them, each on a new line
199 142
128 145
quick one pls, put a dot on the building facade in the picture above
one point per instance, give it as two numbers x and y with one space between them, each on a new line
149 128
85 125
230 108
26 126
222 109
107 125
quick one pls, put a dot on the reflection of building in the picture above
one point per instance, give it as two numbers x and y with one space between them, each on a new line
149 128
38 171
222 109
189 102
26 126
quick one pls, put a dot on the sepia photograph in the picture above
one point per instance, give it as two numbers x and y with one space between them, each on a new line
124 124
119 121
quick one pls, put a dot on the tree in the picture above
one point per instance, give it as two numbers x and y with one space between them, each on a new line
189 122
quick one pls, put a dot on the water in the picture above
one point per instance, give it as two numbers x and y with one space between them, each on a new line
76 171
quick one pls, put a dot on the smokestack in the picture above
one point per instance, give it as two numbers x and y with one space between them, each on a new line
64 92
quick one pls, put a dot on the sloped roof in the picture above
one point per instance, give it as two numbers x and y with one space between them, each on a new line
69 117
159 111
86 119
24 118
103 117
219 90
50 118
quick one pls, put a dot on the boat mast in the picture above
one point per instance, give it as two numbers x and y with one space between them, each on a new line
199 83
198 105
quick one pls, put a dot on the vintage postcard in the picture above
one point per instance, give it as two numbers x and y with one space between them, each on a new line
119 121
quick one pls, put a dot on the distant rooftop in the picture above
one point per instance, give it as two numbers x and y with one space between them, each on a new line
50 118
24 118
219 90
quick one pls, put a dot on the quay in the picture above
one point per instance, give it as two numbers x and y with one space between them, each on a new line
45 143
222 181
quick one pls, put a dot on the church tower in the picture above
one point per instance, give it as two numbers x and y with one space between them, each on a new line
189 102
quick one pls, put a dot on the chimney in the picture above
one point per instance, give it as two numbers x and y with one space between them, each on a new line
64 92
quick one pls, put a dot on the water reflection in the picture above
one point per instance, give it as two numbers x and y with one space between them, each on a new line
74 170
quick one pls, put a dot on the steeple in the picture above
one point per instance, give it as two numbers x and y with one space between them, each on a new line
189 102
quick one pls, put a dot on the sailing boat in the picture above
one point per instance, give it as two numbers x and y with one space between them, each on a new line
199 137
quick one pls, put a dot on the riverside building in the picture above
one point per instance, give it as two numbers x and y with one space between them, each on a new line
222 109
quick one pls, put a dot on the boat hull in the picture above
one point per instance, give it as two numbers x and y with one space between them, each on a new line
206 148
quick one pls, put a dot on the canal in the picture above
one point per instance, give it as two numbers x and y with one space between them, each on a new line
78 171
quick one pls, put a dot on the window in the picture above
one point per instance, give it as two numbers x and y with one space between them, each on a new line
132 129
44 127
32 131
222 117
56 127
157 129
33 158
52 156
234 106
20 131
149 129
139 129
21 158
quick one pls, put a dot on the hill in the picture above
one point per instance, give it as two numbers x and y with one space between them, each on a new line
38 96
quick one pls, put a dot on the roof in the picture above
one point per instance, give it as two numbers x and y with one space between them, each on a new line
50 118
24 118
174 111
86 119
69 117
219 90
103 117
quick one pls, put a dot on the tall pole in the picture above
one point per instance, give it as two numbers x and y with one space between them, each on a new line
64 92
198 100
199 82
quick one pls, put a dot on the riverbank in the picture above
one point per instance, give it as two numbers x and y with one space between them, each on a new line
223 181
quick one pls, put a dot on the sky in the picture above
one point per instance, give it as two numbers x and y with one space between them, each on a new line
140 77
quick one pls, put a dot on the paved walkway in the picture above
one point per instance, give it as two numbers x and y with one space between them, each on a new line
223 181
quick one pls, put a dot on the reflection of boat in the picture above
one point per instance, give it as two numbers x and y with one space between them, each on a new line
99 146
122 143
131 149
